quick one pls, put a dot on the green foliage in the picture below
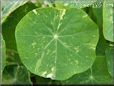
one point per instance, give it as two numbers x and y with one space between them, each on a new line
110 59
108 23
74 3
14 74
93 75
57 42
2 56
9 6
2 53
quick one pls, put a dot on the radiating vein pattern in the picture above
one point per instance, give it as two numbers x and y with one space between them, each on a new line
55 43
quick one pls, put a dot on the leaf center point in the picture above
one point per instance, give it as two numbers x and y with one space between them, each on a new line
55 36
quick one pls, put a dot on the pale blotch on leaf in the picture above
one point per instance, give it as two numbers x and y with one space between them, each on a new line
53 69
34 44
36 33
35 12
84 16
66 4
111 45
111 19
48 51
36 54
77 62
44 73
92 46
52 73
91 77
43 37
76 49
111 5
59 26
94 36
62 13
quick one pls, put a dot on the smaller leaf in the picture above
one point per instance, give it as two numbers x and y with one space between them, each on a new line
98 74
108 21
110 59
2 55
14 74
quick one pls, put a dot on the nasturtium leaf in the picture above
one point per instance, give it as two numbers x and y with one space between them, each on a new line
98 74
57 43
74 3
9 6
108 21
110 59
14 74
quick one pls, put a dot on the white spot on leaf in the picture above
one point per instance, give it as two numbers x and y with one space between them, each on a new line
35 12
50 75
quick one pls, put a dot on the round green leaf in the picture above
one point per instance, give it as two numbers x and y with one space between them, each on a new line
55 43
108 21
110 59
